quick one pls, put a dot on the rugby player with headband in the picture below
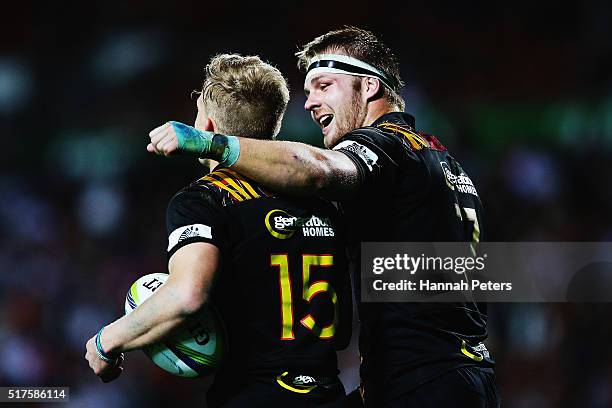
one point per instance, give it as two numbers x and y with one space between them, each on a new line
342 64
390 181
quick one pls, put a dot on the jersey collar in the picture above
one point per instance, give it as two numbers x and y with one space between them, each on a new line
400 118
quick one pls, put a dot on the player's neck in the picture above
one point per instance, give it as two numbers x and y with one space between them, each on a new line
212 164
376 110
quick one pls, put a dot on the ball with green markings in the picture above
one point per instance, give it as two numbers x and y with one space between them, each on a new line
196 349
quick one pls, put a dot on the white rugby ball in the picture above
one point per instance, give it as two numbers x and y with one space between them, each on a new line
194 351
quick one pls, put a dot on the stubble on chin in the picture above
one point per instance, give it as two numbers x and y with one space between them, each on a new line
353 116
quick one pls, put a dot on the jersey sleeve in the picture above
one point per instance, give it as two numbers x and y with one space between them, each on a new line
194 215
377 155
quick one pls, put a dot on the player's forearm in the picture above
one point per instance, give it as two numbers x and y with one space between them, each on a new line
286 167
151 322
127 340
297 168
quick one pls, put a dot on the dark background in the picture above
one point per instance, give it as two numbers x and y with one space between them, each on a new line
520 91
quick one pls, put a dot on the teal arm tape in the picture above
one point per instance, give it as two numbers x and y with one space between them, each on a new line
192 140
209 145
232 152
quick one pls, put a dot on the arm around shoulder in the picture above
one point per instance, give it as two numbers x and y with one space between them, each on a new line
298 169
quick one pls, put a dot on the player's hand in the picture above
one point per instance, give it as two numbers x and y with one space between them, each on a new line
174 137
163 140
107 372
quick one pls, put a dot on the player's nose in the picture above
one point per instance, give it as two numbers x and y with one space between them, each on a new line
311 102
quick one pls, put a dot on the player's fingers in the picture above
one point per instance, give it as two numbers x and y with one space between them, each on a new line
158 144
90 358
170 147
151 148
167 146
159 129
158 137
168 137
161 133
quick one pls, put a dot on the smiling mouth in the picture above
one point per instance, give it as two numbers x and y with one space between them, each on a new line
325 121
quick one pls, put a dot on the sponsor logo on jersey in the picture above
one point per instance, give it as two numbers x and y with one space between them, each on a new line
283 225
188 231
300 384
368 156
462 182
304 380
482 349
280 224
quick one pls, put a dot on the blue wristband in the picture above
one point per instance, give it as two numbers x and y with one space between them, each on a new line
231 151
100 351
192 140
208 145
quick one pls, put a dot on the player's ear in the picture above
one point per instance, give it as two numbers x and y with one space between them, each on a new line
372 88
210 125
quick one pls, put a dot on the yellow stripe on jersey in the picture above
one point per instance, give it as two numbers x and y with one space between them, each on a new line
222 186
228 180
234 183
241 180
416 140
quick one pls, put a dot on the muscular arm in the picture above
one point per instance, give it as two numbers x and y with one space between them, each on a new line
286 167
191 268
297 168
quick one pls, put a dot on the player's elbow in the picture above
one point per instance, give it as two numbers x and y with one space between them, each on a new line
320 176
192 300
316 179
192 268
333 177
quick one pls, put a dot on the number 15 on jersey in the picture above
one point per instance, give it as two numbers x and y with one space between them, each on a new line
309 292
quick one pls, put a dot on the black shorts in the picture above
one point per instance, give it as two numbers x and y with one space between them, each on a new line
464 387
291 390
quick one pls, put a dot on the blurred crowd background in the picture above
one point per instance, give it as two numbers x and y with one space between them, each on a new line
520 91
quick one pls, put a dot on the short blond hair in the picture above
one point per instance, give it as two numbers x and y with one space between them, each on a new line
245 96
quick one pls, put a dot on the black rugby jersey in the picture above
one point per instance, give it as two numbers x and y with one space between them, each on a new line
283 288
412 190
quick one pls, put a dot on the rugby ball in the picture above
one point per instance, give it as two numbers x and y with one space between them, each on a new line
194 351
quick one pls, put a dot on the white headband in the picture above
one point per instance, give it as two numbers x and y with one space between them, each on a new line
342 64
